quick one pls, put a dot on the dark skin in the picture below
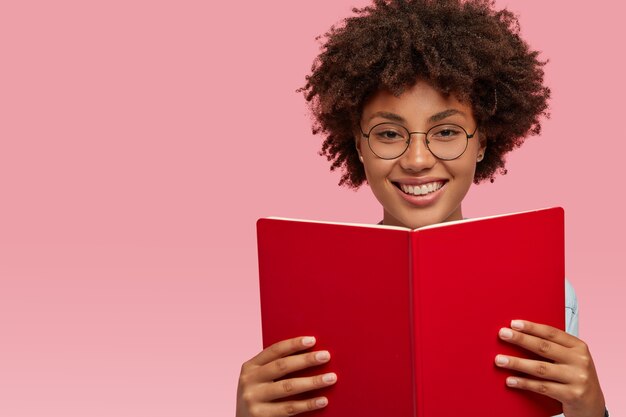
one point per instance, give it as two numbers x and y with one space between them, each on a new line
567 375
459 46
571 378
489 68
258 393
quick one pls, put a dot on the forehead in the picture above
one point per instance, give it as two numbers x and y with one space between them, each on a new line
419 101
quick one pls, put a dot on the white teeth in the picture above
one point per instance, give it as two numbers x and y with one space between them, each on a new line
421 190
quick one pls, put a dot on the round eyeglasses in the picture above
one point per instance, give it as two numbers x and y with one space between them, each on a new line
390 140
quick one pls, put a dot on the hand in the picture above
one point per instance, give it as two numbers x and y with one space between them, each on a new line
257 390
571 376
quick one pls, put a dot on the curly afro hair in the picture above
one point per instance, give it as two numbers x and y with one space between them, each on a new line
465 48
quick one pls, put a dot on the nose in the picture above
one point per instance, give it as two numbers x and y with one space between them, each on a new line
417 157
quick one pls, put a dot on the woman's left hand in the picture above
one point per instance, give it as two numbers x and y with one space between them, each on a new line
571 376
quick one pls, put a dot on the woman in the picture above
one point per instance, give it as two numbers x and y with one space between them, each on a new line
421 98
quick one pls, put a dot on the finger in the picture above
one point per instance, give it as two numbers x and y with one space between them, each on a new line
542 347
288 408
289 364
539 369
548 388
282 348
545 332
288 387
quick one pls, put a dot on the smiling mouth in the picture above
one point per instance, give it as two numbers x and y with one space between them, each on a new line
423 189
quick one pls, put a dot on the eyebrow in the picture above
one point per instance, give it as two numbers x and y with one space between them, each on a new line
446 113
432 119
387 115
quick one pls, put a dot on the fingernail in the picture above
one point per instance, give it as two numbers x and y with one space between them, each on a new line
517 324
511 382
322 356
328 378
321 402
506 333
502 360
308 341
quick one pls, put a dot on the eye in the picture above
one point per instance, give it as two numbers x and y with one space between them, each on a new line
446 133
388 133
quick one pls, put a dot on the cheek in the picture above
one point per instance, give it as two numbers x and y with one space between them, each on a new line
377 171
474 148
463 170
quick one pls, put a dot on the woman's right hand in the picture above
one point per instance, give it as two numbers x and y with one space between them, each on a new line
258 392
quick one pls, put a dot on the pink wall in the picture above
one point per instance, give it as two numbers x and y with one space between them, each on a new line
135 157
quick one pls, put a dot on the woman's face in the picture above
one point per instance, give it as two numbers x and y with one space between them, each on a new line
394 182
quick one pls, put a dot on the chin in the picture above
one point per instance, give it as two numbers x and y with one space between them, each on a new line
415 220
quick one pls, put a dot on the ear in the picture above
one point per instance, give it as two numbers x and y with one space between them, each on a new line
357 143
482 149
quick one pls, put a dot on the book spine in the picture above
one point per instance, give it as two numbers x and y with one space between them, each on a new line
414 304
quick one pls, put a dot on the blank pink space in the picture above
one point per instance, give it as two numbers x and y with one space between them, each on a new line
141 140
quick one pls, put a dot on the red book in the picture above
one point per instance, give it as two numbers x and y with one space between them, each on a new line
411 317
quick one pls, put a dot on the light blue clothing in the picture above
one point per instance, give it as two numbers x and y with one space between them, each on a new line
571 313
571 310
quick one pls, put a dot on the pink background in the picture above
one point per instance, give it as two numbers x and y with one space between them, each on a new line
136 157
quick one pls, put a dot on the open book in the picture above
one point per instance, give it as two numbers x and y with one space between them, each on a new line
411 317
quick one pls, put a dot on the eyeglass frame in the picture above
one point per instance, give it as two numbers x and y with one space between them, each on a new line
408 141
